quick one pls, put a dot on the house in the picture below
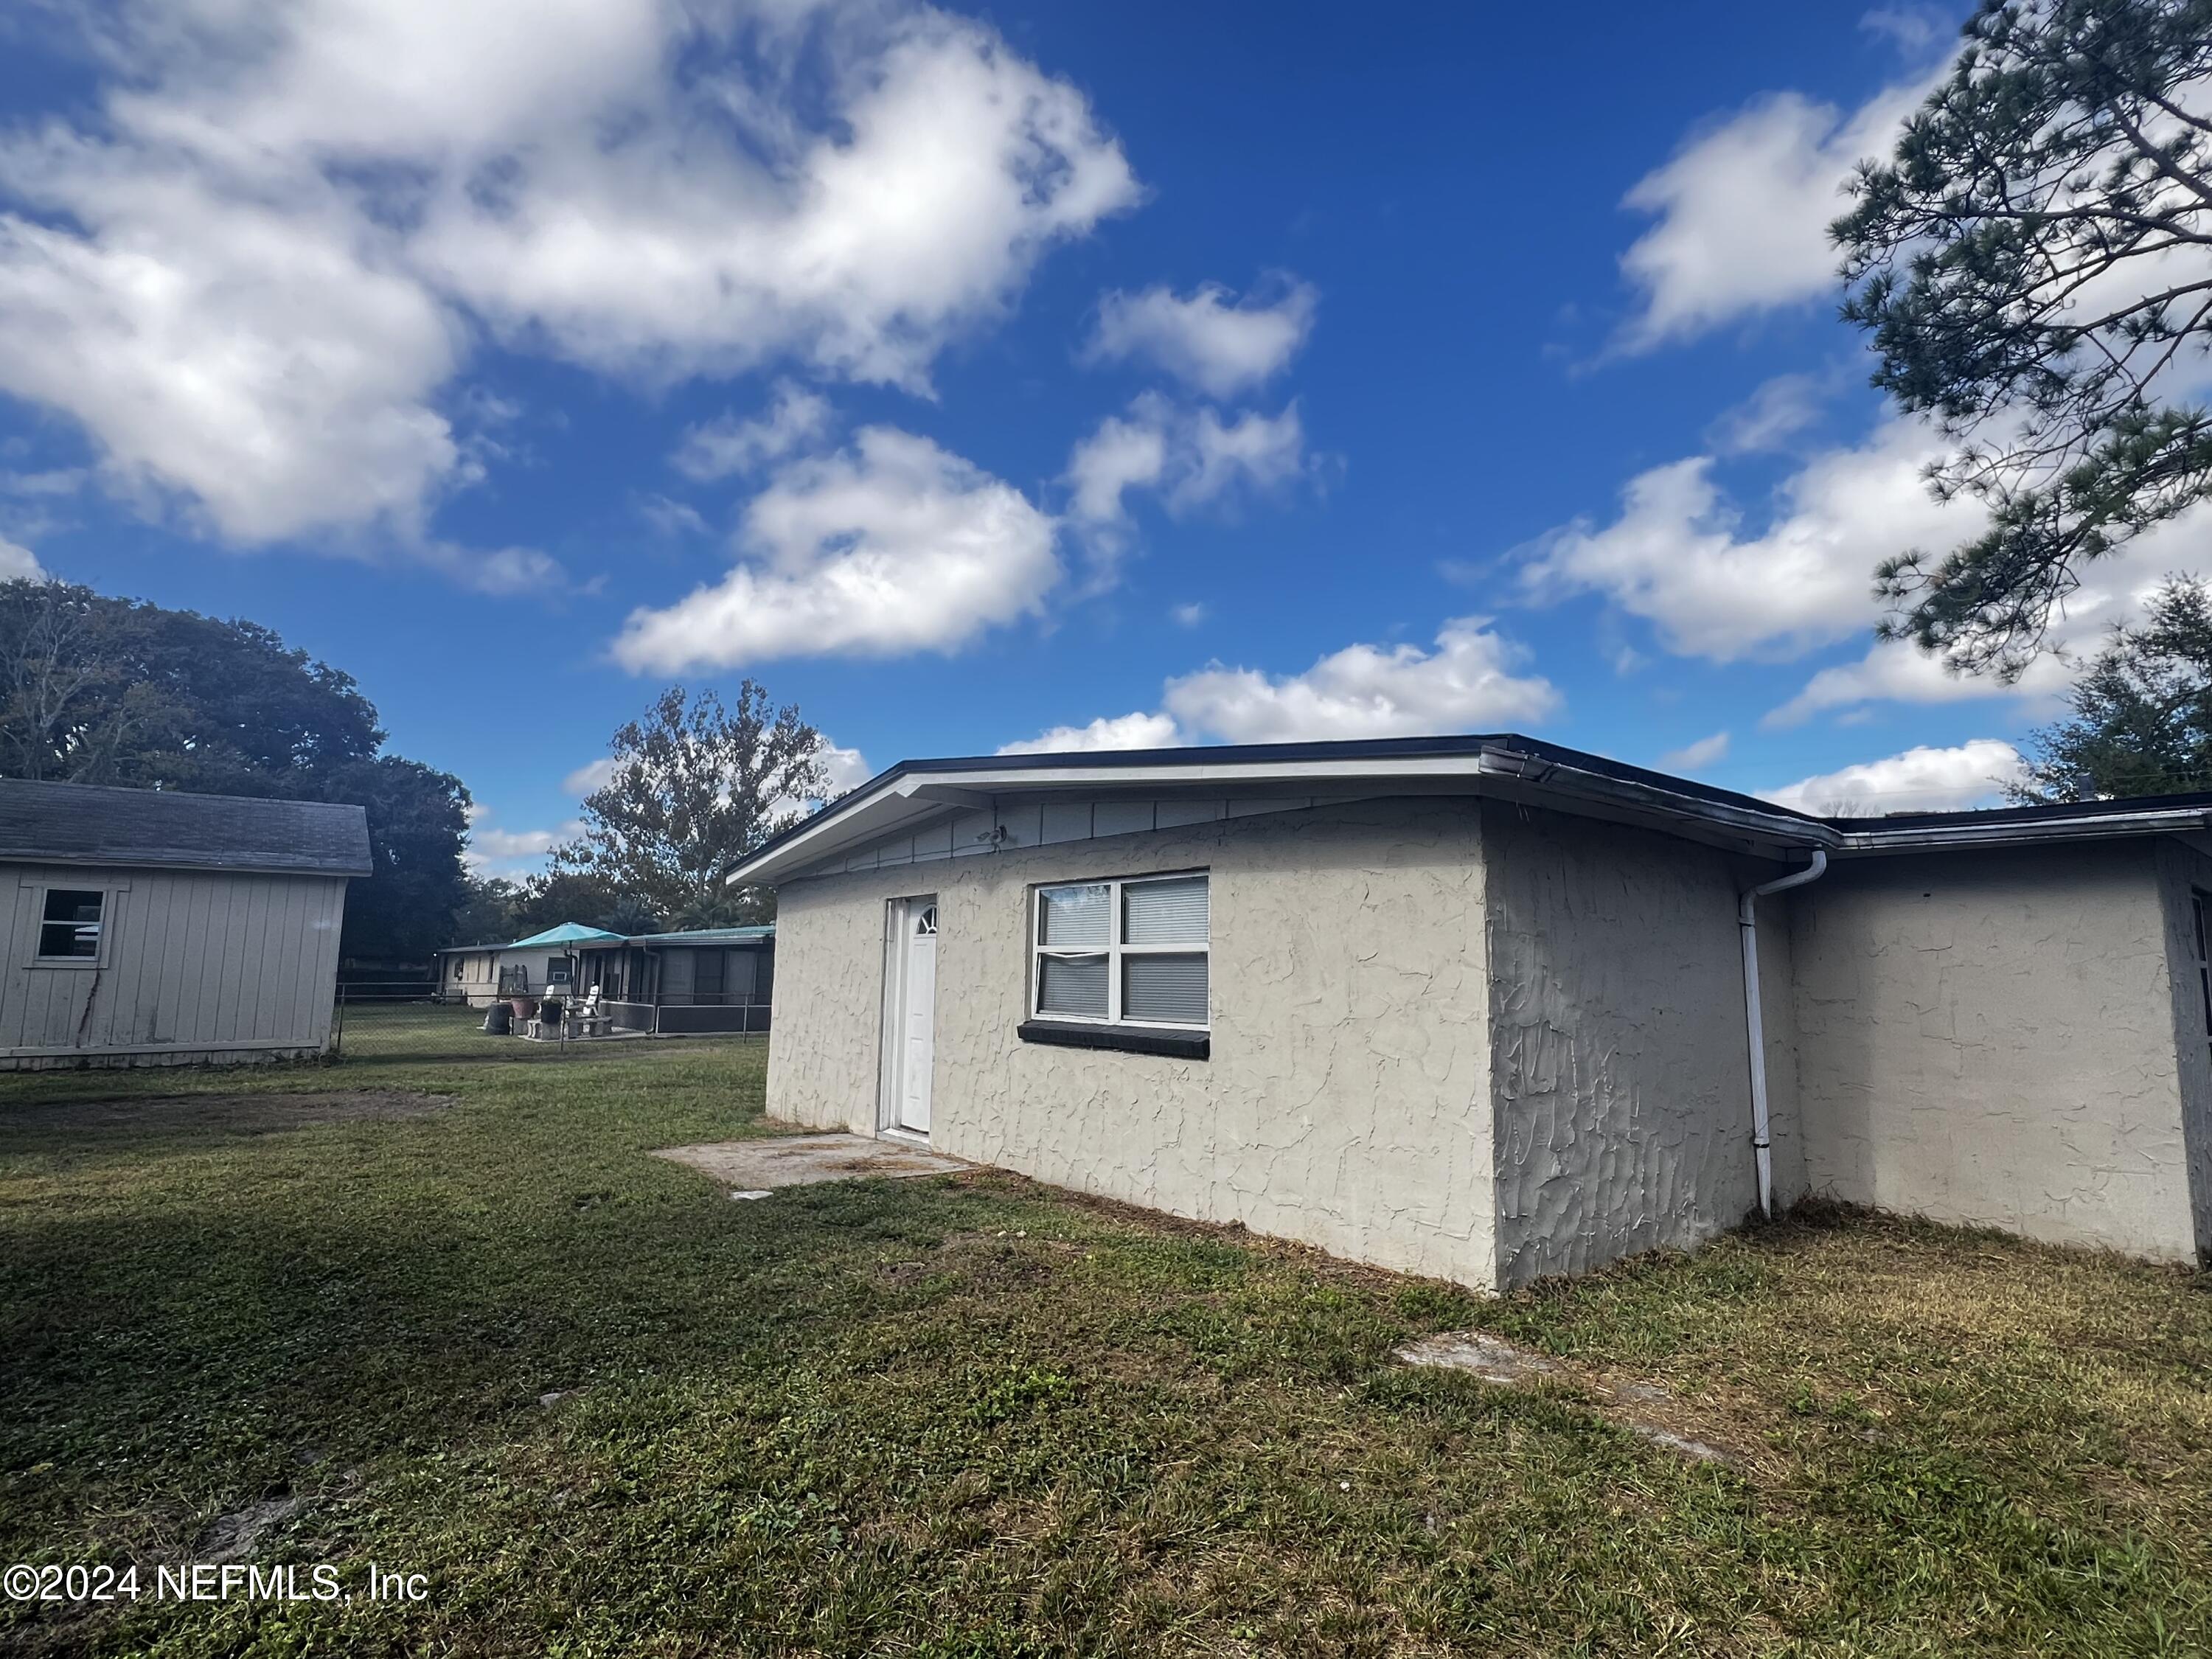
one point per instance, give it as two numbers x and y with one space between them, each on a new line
686 983
152 928
1489 1009
541 965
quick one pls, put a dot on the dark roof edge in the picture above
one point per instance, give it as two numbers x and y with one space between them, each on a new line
1684 795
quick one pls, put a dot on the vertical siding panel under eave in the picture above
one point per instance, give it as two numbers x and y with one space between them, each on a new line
50 998
303 949
124 981
230 971
269 964
186 908
153 929
335 891
253 945
13 989
284 922
293 949
26 1019
158 916
196 986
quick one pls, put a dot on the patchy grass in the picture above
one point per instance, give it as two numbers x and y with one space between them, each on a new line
970 1416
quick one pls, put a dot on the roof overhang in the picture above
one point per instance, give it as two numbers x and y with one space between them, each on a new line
1505 767
913 792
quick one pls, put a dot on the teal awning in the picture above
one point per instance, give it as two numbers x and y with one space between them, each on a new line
568 932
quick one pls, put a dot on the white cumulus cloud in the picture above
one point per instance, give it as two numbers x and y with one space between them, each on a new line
254 263
1681 557
1694 756
17 560
1194 459
1470 682
494 852
1923 780
796 421
1123 731
1210 340
891 547
1743 210
845 769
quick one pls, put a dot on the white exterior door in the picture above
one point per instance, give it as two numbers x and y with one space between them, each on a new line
918 1018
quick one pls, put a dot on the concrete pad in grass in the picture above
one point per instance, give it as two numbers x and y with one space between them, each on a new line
759 1166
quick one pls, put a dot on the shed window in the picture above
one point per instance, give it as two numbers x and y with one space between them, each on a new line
1129 952
68 929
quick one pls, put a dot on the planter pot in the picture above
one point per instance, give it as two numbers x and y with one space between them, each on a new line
523 1008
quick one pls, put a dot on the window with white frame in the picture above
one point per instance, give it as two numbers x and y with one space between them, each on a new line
70 924
1127 952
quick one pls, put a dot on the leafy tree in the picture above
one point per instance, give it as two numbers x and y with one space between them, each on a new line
119 691
2032 266
697 787
561 895
418 820
630 914
2141 720
101 690
488 917
722 910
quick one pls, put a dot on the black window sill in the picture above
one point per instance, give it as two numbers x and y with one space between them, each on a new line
1124 1039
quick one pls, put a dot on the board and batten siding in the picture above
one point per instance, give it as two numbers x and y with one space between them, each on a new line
198 964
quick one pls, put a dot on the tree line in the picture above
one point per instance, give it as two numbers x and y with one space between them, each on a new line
97 688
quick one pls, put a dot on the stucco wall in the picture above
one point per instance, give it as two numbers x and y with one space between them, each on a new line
1778 978
2183 868
1622 1083
1346 1102
1988 1037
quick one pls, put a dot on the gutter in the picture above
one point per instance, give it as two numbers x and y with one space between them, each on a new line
1561 777
1755 1024
2023 832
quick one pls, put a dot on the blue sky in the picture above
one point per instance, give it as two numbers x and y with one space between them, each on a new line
1137 373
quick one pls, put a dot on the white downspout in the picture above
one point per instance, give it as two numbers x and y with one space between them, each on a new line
1747 921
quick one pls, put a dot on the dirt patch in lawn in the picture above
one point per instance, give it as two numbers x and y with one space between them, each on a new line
246 1113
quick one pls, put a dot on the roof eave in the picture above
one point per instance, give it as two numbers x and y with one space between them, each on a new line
2090 826
902 795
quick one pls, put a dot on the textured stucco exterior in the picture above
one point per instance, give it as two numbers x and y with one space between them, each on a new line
2184 869
1469 1037
1347 1100
1989 1038
1618 1056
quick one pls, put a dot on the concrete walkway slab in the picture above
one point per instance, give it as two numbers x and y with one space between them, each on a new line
760 1166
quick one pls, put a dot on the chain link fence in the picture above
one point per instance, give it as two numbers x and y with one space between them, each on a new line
402 1021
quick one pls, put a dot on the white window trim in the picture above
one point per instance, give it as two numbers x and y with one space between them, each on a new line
1114 950
109 891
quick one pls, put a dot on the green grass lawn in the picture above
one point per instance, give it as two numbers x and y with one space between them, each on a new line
972 1416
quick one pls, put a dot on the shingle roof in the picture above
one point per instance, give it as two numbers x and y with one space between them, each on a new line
88 823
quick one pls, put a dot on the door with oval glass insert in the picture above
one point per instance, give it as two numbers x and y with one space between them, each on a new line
917 1015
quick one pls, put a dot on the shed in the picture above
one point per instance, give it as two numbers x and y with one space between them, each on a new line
1489 1009
158 927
